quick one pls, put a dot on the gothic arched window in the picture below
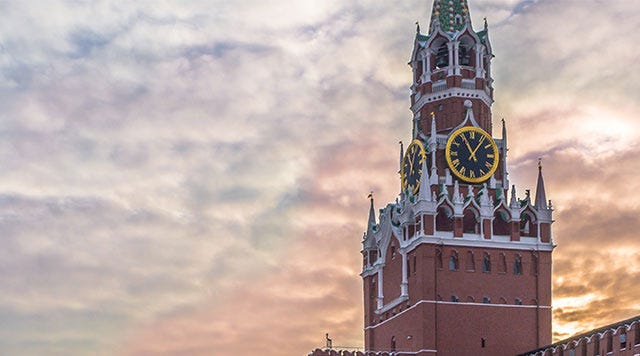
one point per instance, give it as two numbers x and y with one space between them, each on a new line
470 223
464 54
393 343
419 70
501 223
453 261
442 56
528 225
444 219
517 265
486 263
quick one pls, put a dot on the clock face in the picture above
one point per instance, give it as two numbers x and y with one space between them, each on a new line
412 167
472 155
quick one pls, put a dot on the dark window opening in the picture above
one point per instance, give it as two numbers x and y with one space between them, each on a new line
442 56
444 220
483 342
464 55
517 265
501 223
453 262
454 298
419 71
528 226
470 223
486 300
623 340
393 343
486 263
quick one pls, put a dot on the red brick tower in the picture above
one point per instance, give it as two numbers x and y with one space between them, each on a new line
454 267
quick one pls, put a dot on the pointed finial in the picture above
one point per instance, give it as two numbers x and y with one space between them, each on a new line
417 26
514 201
425 190
485 199
372 216
457 198
541 196
433 126
401 156
504 130
486 26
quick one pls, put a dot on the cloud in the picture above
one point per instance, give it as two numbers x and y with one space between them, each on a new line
189 176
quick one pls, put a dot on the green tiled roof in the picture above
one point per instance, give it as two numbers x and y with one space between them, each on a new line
483 35
452 14
423 38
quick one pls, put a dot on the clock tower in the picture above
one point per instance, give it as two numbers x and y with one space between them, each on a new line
458 265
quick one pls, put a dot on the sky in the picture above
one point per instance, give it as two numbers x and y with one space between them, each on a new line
190 177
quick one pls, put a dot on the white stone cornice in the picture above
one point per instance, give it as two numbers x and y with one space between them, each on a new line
452 92
476 240
394 303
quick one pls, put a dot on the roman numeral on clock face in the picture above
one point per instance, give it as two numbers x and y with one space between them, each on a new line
471 154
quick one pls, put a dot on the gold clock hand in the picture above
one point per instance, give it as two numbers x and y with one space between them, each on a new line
473 154
470 149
